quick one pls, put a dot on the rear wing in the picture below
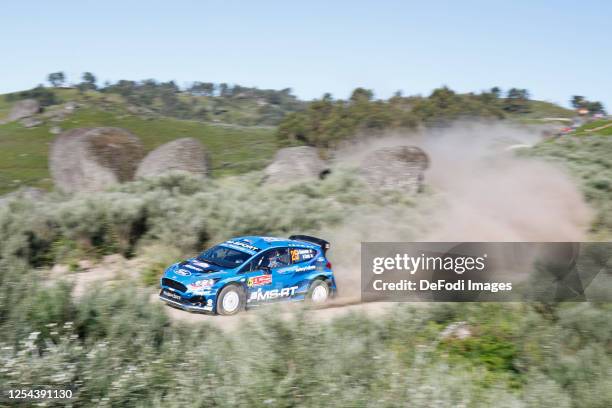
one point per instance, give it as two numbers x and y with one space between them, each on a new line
313 240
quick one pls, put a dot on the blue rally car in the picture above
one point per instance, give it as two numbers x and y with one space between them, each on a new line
248 271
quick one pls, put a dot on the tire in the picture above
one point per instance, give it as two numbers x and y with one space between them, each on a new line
230 300
319 292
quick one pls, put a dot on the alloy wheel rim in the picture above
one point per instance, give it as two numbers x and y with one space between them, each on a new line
231 301
319 294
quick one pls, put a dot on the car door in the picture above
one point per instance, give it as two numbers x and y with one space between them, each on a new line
282 274
294 277
258 279
278 262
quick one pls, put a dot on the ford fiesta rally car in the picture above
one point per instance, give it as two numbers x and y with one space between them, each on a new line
248 271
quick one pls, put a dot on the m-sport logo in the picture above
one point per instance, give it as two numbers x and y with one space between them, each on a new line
183 272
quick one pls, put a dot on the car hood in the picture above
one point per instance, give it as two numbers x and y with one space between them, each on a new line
195 266
193 270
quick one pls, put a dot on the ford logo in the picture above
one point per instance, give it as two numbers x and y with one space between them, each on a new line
183 272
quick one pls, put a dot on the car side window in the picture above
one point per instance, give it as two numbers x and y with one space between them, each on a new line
278 257
272 258
254 265
299 255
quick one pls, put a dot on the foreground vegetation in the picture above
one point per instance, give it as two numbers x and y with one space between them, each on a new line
114 347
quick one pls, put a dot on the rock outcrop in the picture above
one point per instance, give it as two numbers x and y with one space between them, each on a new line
59 113
30 122
186 154
398 168
294 164
92 159
23 109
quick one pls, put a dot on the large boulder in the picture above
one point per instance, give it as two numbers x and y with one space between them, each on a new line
92 159
293 164
186 154
397 168
23 109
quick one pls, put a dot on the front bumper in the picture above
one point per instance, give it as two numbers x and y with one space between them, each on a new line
184 305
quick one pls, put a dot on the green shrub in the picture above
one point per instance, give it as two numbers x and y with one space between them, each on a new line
179 211
115 347
156 259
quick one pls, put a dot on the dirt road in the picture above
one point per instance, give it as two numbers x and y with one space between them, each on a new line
334 309
116 270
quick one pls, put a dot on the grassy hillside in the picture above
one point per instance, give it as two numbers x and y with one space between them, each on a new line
543 109
233 149
240 106
158 116
5 107
600 127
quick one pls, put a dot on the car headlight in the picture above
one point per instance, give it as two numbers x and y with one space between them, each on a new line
202 284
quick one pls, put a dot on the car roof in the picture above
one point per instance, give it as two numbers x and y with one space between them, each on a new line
265 242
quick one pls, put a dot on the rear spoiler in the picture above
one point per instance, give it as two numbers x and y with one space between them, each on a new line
313 240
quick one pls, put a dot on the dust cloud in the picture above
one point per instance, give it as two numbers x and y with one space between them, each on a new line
479 189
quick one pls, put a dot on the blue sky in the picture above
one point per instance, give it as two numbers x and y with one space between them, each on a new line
553 48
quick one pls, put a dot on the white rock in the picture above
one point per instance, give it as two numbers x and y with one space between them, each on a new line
185 154
92 159
294 164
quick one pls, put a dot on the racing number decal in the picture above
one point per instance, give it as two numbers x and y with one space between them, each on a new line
301 254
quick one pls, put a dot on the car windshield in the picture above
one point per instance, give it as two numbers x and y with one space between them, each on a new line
224 257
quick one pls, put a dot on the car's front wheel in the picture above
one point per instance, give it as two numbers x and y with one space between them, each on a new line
230 300
319 292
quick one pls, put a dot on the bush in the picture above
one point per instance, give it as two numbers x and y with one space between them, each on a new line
175 210
116 348
157 258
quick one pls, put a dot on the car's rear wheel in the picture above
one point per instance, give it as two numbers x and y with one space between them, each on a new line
230 300
319 292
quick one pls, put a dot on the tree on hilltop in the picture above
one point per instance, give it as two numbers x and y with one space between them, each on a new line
56 79
578 101
362 95
517 101
89 82
594 107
